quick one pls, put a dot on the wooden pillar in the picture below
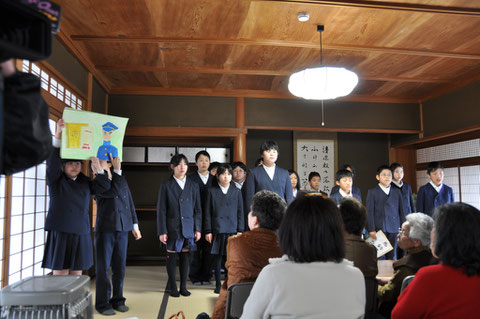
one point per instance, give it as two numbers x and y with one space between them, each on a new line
240 141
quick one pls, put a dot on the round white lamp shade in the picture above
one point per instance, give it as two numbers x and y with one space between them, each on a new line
322 83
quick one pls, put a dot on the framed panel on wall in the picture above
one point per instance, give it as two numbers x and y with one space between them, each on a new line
160 154
316 152
219 154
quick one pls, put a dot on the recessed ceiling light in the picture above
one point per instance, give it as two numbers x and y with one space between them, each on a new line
303 16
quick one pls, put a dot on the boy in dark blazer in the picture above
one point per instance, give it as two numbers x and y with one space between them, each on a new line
179 221
344 180
314 180
68 249
116 216
201 264
434 193
268 177
385 209
223 217
355 189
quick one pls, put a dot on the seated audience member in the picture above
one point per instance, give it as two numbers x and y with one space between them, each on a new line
295 179
344 181
310 280
363 254
452 288
249 252
414 238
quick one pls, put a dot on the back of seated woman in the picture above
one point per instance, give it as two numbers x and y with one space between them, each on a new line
452 288
312 279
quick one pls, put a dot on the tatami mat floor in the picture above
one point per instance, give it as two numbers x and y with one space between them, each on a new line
144 289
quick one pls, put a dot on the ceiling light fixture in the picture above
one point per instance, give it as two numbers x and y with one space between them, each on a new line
303 16
322 83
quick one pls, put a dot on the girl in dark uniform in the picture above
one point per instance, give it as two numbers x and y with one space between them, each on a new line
68 249
179 221
223 217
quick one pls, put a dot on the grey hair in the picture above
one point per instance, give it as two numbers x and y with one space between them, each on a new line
420 227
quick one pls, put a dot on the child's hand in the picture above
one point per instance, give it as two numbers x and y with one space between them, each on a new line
198 235
137 234
96 166
208 237
116 162
239 233
373 234
163 238
60 126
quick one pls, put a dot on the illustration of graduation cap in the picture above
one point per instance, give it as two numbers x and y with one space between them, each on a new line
109 126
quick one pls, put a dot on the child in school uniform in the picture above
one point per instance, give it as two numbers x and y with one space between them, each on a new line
434 193
407 197
68 249
223 217
179 221
201 263
314 180
295 180
239 174
116 217
355 189
385 209
344 180
268 176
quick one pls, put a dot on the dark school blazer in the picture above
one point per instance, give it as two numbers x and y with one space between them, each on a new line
224 212
337 197
116 210
355 191
385 212
407 198
70 199
258 179
428 198
179 211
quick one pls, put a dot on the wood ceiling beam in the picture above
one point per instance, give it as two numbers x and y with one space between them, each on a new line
70 45
383 5
184 131
252 72
278 43
145 90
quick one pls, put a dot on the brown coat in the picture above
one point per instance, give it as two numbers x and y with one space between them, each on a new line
363 255
247 254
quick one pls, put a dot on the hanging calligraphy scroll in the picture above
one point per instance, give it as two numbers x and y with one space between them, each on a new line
314 155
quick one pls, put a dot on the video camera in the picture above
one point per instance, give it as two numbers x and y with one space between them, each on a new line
26 27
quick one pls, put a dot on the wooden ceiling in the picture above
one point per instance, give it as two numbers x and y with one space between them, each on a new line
402 51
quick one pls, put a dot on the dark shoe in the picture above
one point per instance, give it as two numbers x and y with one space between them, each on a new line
121 308
174 293
185 292
206 283
217 289
107 312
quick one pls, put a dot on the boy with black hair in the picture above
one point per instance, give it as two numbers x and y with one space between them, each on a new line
355 189
314 180
200 268
434 193
268 176
116 216
344 180
385 209
239 174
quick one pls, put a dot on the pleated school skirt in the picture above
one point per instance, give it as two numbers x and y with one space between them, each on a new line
180 243
68 251
219 244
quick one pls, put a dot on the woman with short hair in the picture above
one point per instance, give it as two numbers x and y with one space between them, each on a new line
452 288
312 279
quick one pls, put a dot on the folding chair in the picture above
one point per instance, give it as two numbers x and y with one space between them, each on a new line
406 281
237 294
